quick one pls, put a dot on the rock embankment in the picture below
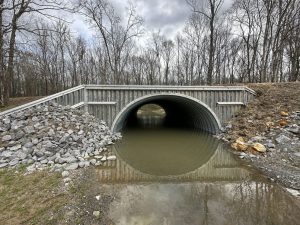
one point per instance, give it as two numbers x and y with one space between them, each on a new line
267 132
56 137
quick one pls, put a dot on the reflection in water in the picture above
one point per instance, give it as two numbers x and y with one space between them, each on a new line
169 177
150 121
244 203
166 151
150 116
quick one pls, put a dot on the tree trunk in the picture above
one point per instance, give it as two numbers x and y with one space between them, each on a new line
211 52
2 65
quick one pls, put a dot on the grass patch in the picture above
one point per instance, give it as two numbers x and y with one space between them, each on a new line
14 102
30 199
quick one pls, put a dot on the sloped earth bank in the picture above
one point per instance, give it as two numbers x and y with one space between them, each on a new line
272 123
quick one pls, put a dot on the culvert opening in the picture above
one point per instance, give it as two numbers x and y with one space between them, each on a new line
181 112
150 116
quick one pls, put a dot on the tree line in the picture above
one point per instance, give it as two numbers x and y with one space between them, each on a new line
252 41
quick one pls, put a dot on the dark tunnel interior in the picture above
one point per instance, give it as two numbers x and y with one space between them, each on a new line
180 112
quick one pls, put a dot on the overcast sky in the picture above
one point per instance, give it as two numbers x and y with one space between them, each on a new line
168 16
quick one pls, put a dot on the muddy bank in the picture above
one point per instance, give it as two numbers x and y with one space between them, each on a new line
272 121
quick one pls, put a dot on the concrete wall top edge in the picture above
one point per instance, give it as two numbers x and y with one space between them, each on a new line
168 88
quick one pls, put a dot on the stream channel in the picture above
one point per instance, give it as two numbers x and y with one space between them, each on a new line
166 176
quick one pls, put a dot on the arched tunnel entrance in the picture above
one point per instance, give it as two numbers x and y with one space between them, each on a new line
180 112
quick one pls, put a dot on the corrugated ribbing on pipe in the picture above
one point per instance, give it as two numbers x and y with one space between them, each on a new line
181 111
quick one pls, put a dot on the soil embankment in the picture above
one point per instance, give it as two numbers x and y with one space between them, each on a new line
271 122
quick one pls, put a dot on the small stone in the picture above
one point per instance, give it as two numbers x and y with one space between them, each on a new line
72 166
294 130
19 134
48 145
28 145
259 147
257 139
6 154
98 164
65 174
49 154
228 127
34 119
6 120
93 161
96 214
35 141
98 197
3 165
75 138
50 162
81 164
38 126
16 147
67 180
30 161
51 132
240 145
111 158
252 156
71 159
281 139
283 113
240 139
45 161
21 155
2 129
242 155
39 153
297 154
63 139
14 162
283 122
6 138
29 130
270 124
270 145
90 149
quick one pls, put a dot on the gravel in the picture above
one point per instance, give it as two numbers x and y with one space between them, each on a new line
53 136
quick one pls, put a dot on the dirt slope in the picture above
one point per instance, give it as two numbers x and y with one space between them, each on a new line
273 120
264 112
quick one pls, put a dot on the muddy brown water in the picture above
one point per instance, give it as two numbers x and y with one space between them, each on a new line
178 177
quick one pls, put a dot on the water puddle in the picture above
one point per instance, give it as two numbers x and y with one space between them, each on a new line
170 177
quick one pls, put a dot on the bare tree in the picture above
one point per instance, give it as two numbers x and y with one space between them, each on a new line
210 12
114 34
167 49
14 11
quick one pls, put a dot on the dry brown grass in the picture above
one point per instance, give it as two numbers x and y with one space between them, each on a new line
30 199
14 102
